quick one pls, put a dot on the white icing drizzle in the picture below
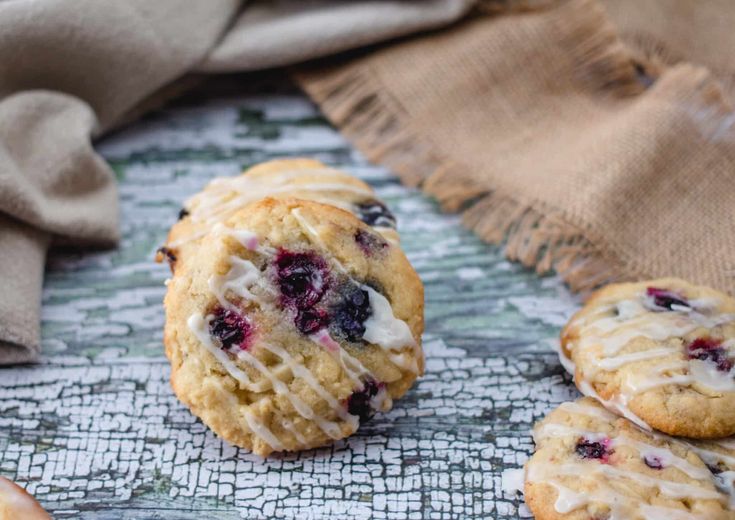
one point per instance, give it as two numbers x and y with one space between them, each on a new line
299 370
329 427
382 328
242 277
225 195
639 317
618 404
239 279
262 431
622 507
290 427
200 327
352 366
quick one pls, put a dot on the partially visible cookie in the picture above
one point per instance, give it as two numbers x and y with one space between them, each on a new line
290 324
305 179
719 456
591 464
661 353
17 504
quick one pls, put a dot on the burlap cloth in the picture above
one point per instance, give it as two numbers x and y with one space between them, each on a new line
597 143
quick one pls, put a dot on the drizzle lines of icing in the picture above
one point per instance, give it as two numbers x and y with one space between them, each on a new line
621 507
613 326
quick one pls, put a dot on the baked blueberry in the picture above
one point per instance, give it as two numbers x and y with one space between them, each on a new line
231 329
360 402
349 315
374 213
666 299
303 278
709 349
588 449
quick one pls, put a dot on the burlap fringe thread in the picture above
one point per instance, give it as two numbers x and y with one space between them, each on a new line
538 237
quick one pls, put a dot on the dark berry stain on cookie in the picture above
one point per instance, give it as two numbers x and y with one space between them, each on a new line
359 403
666 299
375 213
370 243
231 328
165 253
350 314
183 213
302 277
710 349
593 450
716 469
653 462
309 321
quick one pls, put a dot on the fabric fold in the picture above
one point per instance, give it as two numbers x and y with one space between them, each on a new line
22 258
554 139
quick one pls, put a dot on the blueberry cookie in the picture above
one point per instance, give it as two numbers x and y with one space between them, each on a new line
305 179
719 456
592 464
17 504
661 353
291 323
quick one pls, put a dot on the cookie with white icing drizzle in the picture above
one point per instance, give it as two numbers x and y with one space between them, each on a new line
305 179
17 504
661 353
592 464
292 323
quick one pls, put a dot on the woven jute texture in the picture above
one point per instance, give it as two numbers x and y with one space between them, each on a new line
595 140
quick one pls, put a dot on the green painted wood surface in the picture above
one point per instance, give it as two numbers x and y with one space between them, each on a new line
94 431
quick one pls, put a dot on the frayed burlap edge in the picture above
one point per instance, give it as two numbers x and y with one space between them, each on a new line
539 237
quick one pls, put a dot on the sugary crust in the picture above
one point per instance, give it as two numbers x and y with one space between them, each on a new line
681 408
627 482
17 504
201 382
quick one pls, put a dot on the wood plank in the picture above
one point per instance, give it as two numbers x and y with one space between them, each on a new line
94 431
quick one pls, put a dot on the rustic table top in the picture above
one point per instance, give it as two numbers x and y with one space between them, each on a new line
94 430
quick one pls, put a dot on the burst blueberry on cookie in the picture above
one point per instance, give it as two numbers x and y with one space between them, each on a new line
661 353
283 334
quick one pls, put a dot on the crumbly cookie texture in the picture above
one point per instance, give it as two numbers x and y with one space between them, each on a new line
17 504
661 353
592 464
291 323
305 179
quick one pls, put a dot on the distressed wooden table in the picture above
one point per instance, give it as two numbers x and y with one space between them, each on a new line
94 431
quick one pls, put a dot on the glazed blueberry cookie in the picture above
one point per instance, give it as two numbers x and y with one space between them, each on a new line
305 179
661 353
292 323
17 504
592 464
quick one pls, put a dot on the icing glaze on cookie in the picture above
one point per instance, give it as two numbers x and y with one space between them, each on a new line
665 317
303 279
225 195
591 474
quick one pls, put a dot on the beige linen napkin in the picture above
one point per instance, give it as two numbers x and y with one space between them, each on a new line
71 70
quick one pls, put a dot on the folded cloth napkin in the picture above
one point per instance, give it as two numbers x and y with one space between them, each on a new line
594 138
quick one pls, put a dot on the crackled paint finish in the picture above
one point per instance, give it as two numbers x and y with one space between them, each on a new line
94 431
